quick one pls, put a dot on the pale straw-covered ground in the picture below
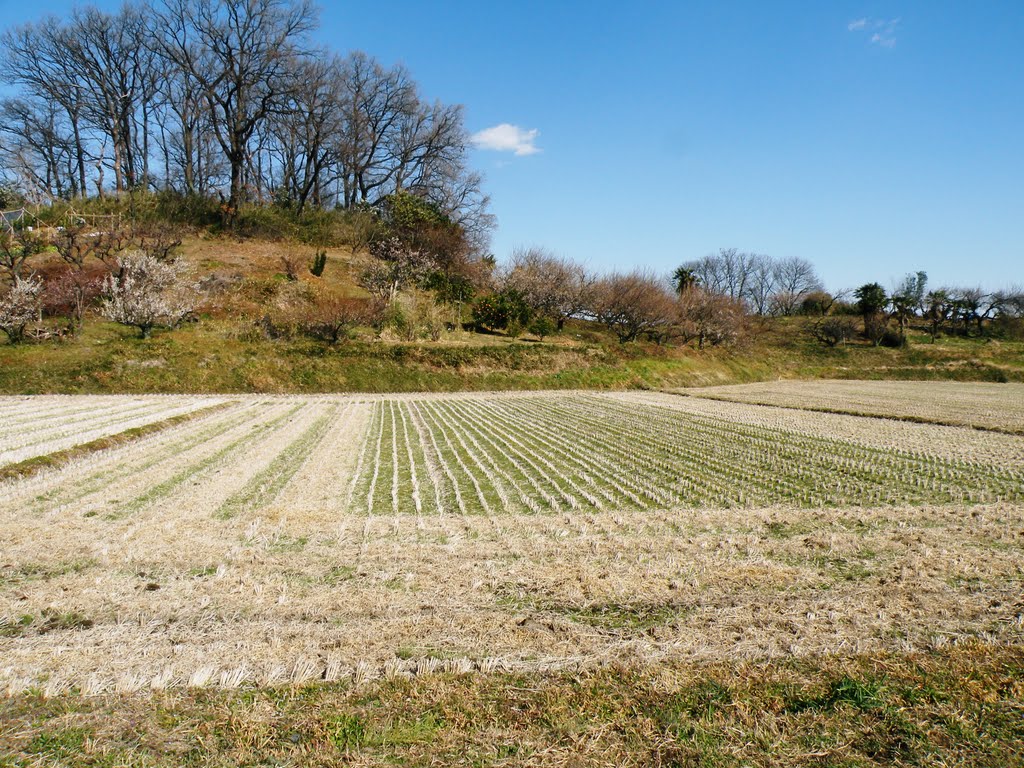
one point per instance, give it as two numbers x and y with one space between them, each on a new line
291 538
36 426
988 406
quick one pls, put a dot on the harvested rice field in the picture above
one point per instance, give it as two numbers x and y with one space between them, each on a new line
404 545
998 407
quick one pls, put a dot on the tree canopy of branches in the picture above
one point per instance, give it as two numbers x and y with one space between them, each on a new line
766 285
632 304
16 248
206 97
554 287
709 318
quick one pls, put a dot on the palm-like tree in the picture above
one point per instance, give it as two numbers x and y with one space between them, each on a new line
684 278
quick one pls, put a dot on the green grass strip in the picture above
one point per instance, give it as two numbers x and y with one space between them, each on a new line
167 486
264 487
37 464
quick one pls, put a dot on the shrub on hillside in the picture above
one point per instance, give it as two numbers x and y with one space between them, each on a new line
541 326
318 263
333 318
875 328
501 311
147 293
65 288
833 331
415 316
891 338
19 307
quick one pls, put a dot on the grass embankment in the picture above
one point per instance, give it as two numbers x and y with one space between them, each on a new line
213 356
959 706
226 352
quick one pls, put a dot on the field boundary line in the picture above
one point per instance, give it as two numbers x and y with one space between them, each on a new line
33 466
850 412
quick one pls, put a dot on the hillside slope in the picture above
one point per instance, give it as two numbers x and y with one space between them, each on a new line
236 346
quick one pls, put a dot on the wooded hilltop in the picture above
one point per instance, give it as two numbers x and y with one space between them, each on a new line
202 163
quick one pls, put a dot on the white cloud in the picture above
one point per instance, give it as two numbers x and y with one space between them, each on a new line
886 42
507 138
883 31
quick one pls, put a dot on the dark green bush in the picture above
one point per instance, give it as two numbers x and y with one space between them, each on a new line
499 311
318 264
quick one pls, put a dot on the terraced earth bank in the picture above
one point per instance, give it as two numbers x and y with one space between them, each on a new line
266 540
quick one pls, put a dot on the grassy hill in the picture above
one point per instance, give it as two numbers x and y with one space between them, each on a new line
229 349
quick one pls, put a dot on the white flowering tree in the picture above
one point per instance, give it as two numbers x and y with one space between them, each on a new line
19 307
147 293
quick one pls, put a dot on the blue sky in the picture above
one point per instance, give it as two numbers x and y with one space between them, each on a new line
872 138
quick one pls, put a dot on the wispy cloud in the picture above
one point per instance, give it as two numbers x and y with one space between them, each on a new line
507 138
883 31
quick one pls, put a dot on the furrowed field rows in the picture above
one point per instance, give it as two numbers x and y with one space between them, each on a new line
237 461
999 407
30 428
279 538
538 454
952 442
138 471
545 454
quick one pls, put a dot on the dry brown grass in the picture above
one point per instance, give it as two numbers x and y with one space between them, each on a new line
397 598
953 707
102 593
999 407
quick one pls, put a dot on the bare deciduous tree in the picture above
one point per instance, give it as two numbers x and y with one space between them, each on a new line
767 285
37 148
763 284
332 317
16 248
728 272
226 96
632 304
240 56
711 319
117 74
36 57
794 280
555 287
